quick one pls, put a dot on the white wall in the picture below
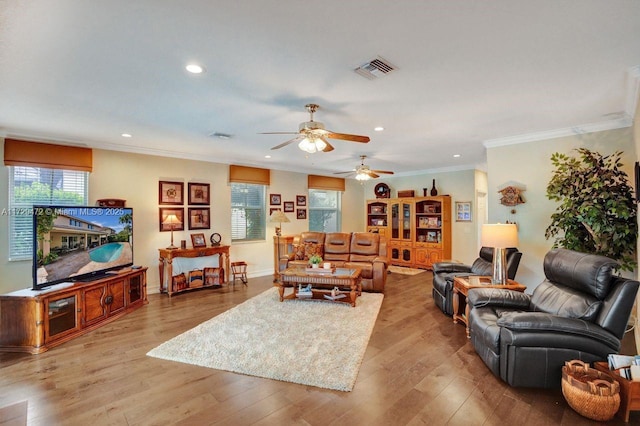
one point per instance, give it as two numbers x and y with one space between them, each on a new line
134 177
530 164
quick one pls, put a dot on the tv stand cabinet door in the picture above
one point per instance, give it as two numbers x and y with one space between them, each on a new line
94 307
115 297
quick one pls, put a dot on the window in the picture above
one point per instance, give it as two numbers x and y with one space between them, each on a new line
248 219
325 210
30 186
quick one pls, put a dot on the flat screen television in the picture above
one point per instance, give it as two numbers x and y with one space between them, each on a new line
72 243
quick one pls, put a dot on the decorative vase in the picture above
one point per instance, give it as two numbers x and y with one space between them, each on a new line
434 191
315 265
425 192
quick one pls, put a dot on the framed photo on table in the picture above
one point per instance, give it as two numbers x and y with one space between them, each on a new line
170 193
463 211
165 212
199 218
197 240
199 194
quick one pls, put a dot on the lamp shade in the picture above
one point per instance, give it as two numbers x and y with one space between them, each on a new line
499 235
171 219
278 216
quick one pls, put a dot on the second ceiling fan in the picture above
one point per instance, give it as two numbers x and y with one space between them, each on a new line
312 136
364 172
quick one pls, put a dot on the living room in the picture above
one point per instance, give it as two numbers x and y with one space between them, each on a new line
132 173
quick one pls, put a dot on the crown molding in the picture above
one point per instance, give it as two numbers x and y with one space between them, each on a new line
619 123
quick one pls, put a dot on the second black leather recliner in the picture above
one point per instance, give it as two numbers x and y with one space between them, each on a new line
444 273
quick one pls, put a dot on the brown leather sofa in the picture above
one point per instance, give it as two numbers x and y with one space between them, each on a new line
364 250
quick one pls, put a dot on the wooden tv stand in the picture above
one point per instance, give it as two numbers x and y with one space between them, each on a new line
35 321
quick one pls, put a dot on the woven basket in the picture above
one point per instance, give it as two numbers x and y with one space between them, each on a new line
591 393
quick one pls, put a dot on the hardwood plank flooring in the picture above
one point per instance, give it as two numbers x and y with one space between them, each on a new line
419 368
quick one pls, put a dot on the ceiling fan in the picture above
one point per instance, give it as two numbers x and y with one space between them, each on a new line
312 136
364 172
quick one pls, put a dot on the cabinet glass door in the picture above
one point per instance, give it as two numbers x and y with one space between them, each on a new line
406 221
395 221
135 289
61 315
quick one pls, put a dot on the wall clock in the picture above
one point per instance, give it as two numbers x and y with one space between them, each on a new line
382 190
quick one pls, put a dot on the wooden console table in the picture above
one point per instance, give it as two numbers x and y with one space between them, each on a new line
461 287
167 256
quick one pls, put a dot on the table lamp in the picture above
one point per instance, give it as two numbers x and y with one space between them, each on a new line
499 236
278 217
171 220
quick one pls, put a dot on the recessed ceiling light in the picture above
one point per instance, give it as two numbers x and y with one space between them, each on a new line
194 68
267 156
378 129
456 155
126 135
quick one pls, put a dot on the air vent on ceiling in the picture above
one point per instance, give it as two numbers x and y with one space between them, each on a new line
220 135
378 67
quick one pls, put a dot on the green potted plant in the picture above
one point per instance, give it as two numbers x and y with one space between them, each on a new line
597 210
315 260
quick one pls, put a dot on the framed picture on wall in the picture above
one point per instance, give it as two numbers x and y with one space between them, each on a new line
301 200
199 218
273 209
463 211
288 207
199 194
301 214
170 193
275 199
167 223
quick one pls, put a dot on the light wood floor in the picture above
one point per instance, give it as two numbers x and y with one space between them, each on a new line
419 368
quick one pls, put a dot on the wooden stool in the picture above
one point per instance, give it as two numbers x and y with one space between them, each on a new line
239 271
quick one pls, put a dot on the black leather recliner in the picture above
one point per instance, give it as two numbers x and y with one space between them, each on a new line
580 311
444 272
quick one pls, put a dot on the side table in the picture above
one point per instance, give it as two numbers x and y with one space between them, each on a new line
461 287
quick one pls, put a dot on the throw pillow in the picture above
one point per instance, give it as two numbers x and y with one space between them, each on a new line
298 251
312 248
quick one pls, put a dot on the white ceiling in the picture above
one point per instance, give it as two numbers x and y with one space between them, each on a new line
78 71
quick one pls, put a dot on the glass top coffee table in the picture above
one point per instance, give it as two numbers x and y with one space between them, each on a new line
322 282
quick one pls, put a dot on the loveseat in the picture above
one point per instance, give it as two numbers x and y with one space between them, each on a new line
445 272
364 250
580 311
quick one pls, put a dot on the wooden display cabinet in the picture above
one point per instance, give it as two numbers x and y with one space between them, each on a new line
418 229
37 321
377 217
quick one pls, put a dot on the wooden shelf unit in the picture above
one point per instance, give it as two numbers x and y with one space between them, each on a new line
629 391
35 321
418 229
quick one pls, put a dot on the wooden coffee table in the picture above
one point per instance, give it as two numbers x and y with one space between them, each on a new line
322 282
461 287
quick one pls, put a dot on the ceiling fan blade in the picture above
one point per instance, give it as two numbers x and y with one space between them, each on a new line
373 175
290 141
347 137
384 172
329 147
344 173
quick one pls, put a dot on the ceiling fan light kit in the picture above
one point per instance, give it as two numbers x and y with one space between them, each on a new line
364 172
312 136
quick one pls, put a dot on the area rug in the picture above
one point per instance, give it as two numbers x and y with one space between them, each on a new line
405 271
313 343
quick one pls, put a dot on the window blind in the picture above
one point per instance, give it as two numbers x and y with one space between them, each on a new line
29 186
248 218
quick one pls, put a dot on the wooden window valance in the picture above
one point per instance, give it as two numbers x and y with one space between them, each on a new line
45 155
243 174
325 182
